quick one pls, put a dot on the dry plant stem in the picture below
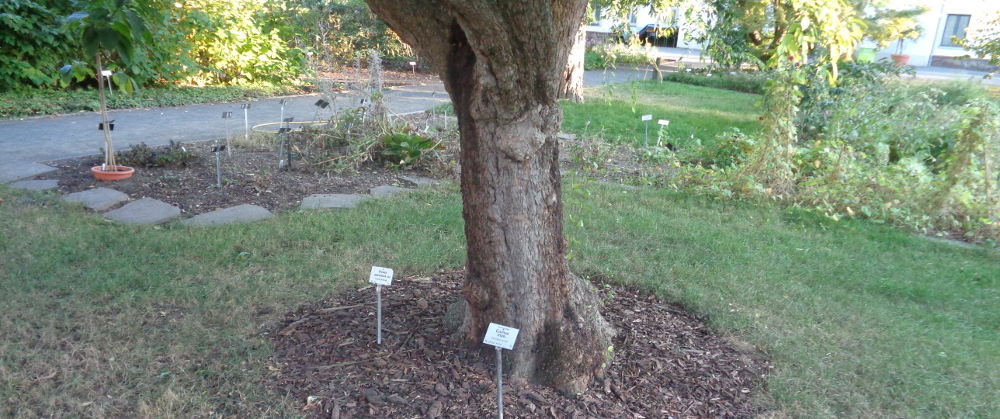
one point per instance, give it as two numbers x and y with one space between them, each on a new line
109 151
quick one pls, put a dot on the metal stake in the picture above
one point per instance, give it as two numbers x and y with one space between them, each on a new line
226 116
218 170
647 133
499 382
246 123
378 292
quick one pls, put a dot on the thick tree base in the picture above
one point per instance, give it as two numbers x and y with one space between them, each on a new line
569 352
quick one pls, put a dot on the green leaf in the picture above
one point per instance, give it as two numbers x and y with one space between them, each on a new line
76 16
90 41
136 22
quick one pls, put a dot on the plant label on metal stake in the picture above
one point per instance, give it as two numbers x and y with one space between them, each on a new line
379 277
321 104
663 124
646 119
107 75
413 67
501 337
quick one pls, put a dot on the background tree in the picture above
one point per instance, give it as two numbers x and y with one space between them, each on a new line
886 26
571 79
32 42
500 62
828 27
338 30
985 42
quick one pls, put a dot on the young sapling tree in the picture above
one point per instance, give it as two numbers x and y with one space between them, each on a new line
106 28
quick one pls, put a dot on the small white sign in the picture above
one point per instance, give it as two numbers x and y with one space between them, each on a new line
413 63
106 73
647 117
663 122
380 276
501 336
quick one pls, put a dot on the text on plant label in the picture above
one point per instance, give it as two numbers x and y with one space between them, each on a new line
501 336
380 276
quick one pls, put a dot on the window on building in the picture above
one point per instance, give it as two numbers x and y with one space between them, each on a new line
595 19
954 28
633 18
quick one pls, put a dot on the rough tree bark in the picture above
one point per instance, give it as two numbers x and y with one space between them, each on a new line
500 62
571 80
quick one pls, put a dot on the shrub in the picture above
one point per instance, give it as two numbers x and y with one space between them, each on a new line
175 155
404 150
739 81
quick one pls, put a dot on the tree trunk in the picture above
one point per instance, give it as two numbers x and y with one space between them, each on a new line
500 62
109 153
571 81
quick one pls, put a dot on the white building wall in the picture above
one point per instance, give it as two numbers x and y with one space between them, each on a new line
922 50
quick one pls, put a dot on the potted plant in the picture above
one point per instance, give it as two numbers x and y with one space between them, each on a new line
887 26
106 27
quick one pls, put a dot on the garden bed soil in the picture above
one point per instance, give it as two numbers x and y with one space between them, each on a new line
249 176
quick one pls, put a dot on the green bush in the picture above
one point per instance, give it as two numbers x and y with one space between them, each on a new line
32 42
610 55
26 103
175 155
404 150
740 81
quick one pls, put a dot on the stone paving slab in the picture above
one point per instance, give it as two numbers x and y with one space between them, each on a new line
387 191
12 171
144 211
317 201
420 182
99 199
238 214
36 185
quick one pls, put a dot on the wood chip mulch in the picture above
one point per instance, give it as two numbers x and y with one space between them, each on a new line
667 364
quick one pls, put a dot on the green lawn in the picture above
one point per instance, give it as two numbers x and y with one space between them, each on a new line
860 320
616 115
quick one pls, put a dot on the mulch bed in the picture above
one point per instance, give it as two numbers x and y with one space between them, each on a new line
668 364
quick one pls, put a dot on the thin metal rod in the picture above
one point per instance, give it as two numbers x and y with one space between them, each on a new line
647 132
218 170
227 132
246 126
499 382
378 291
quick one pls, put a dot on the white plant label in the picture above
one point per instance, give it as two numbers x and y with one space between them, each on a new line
413 63
501 336
664 122
106 73
380 276
647 117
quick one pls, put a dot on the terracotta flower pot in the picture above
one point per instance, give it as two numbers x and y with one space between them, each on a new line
123 172
901 60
